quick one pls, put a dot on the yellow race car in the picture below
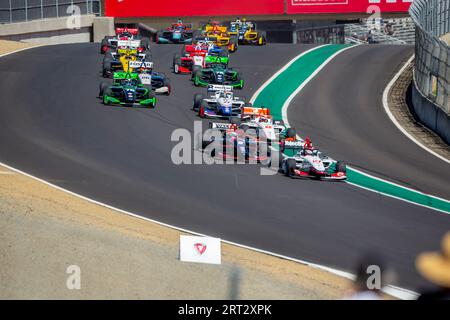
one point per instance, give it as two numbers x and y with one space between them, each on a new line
246 32
220 33
125 59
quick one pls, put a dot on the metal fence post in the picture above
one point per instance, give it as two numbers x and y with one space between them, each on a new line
26 10
57 9
42 9
10 12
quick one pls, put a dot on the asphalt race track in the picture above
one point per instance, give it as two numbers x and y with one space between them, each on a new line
53 126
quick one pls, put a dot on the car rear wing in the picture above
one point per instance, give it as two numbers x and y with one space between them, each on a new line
252 111
129 43
222 126
213 28
132 31
219 88
140 64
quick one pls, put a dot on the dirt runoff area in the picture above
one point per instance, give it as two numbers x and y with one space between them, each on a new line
45 232
9 46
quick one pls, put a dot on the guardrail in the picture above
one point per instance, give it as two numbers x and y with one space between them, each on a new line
12 11
432 62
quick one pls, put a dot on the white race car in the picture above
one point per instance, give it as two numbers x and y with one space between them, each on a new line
220 103
311 163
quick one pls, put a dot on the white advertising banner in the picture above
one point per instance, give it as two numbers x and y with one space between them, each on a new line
200 249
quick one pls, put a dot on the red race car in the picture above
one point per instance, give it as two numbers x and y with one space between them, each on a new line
191 55
126 36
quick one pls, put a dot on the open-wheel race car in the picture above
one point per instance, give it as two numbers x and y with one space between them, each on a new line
196 56
177 33
246 32
309 162
127 90
220 103
253 135
125 35
217 73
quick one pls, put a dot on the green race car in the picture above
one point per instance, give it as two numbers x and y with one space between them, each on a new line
127 89
217 73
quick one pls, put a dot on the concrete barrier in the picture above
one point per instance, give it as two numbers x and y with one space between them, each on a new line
59 30
430 115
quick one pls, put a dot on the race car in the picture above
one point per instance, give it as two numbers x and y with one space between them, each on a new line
120 60
261 120
309 162
197 56
231 141
246 32
176 33
220 103
221 36
129 35
217 73
127 90
158 80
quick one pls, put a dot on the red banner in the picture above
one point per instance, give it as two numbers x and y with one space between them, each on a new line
346 6
185 8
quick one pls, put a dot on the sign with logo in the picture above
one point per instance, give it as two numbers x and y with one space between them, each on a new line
346 6
200 249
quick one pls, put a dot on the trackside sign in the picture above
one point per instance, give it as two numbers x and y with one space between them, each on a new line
200 249
346 6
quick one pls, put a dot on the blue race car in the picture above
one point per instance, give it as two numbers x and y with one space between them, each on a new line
221 103
176 33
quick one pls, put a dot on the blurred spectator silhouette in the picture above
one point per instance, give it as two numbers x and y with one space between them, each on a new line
435 267
372 272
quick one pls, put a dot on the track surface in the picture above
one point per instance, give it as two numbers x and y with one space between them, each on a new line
52 126
349 121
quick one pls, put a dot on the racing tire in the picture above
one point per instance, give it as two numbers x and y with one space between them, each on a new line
291 164
198 98
291 133
103 87
106 67
108 55
341 167
235 120
235 44
148 56
103 44
145 43
224 52
195 70
167 84
176 63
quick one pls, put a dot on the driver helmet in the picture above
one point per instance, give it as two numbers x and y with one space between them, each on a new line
308 144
